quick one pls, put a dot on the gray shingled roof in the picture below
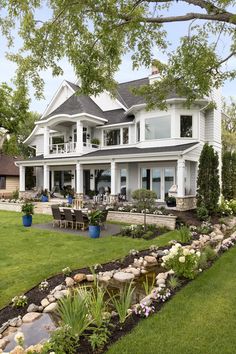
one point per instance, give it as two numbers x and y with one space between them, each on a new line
7 165
123 151
125 94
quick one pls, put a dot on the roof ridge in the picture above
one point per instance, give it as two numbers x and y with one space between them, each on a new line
127 82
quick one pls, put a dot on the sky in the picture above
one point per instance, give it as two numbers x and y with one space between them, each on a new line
125 73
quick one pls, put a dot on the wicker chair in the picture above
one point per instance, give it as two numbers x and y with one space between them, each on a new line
103 218
58 218
80 219
68 218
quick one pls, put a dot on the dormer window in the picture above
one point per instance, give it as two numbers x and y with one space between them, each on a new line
186 126
158 128
116 136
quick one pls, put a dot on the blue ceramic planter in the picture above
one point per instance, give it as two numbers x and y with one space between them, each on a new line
44 198
94 231
70 200
27 220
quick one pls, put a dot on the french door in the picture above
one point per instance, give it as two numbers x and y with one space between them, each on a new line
158 179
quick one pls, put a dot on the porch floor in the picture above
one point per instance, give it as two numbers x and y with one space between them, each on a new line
110 230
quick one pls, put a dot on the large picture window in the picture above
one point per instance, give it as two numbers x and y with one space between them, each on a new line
112 137
2 182
158 128
138 131
186 126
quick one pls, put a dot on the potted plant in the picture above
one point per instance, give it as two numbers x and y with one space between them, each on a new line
70 196
171 201
28 210
44 196
94 223
95 142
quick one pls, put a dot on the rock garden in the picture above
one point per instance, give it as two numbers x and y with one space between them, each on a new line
86 310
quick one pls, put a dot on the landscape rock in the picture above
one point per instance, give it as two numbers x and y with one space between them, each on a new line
144 271
162 276
104 278
33 308
3 343
34 348
146 300
9 331
160 253
4 327
51 298
69 282
160 281
15 322
134 271
90 277
51 307
150 259
45 302
17 350
79 277
30 317
60 294
123 277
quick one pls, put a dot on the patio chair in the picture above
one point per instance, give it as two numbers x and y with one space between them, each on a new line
57 217
103 218
68 218
80 219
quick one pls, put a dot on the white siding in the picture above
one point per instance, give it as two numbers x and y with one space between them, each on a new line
106 102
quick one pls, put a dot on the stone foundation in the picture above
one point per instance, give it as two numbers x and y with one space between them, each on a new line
27 194
186 203
137 218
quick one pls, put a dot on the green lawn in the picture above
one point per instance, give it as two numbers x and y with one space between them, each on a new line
28 255
200 319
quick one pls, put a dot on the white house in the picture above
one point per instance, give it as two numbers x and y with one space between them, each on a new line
135 148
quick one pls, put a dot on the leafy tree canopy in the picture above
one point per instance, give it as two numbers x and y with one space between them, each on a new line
94 36
229 126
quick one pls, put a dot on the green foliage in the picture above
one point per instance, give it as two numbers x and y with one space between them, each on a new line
15 194
73 311
184 234
147 285
99 337
173 282
19 301
62 341
229 175
27 208
123 301
229 128
202 213
210 253
95 217
208 187
97 305
149 234
145 200
225 208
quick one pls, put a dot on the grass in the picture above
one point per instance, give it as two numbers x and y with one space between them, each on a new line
28 255
200 319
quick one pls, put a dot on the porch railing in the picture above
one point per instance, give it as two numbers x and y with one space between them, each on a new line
67 148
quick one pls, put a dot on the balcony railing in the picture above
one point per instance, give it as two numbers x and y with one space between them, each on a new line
68 148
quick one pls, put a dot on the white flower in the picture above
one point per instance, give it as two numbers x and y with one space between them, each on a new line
186 252
19 337
198 253
192 251
182 259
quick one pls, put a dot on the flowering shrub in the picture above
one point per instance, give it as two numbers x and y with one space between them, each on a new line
19 338
144 310
153 248
182 260
162 293
43 285
133 252
227 207
19 301
205 228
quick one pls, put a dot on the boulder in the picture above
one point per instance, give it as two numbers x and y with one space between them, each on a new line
17 350
51 307
150 259
162 276
30 317
60 294
15 322
69 282
3 327
3 342
45 302
146 300
160 281
51 298
144 271
134 271
79 277
123 277
104 278
33 308
90 277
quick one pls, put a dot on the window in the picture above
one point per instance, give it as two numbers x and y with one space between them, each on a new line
156 181
2 182
169 179
138 131
146 180
186 126
125 135
112 137
158 128
58 139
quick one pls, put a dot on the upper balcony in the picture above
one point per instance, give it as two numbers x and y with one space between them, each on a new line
71 148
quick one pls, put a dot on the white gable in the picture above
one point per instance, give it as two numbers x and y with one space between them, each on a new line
106 102
64 92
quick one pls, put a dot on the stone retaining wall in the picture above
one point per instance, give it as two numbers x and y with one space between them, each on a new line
186 203
137 218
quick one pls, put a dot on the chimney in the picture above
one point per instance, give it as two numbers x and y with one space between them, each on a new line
155 75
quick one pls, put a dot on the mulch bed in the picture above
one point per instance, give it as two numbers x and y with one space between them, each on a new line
189 217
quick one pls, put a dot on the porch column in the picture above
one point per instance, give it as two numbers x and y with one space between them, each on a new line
79 179
79 145
46 141
114 180
46 177
92 179
181 177
52 179
22 178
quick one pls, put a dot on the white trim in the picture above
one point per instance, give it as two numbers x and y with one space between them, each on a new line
115 125
43 122
63 84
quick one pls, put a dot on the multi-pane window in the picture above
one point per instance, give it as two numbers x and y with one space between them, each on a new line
158 128
186 126
2 182
125 135
138 131
112 137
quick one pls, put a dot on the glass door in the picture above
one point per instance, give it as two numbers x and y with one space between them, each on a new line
156 182
169 175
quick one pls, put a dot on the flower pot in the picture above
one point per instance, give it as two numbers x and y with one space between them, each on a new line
44 198
171 204
70 200
27 220
94 231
